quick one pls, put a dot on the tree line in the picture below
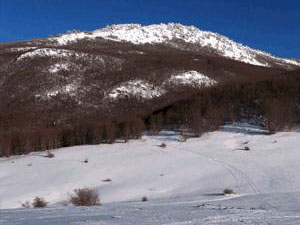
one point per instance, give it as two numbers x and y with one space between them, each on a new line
273 103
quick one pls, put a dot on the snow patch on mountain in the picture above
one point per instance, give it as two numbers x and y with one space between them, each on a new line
59 67
289 61
165 33
52 52
74 37
22 49
136 88
192 78
145 90
68 89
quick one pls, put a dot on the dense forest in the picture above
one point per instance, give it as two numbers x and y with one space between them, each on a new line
272 102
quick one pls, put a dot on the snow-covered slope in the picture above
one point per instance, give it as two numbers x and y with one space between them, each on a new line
136 88
195 210
47 52
199 167
59 67
166 33
144 90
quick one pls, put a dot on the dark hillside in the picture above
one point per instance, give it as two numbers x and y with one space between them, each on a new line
53 96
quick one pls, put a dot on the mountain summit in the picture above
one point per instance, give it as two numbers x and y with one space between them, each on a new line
171 32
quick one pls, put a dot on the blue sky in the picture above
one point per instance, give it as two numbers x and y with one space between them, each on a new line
269 25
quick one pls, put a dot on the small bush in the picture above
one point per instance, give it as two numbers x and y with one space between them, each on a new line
107 180
26 205
246 148
228 191
39 202
163 145
85 197
85 161
144 199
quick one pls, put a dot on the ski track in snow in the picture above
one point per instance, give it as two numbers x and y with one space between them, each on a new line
238 175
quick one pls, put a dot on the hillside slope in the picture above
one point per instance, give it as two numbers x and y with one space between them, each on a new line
80 84
199 167
84 67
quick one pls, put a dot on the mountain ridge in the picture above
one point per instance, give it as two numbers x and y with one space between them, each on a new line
160 33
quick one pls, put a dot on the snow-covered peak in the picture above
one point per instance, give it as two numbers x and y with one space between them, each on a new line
165 33
138 34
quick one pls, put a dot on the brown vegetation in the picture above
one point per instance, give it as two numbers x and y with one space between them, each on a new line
39 202
85 197
228 191
28 122
273 103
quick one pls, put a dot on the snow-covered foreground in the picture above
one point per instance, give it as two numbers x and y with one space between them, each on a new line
183 182
250 210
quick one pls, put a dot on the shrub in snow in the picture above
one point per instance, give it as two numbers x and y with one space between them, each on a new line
25 205
246 148
107 180
163 145
85 161
85 197
228 191
144 199
39 202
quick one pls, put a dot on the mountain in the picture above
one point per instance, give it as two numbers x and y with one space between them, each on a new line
128 54
121 71
179 36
